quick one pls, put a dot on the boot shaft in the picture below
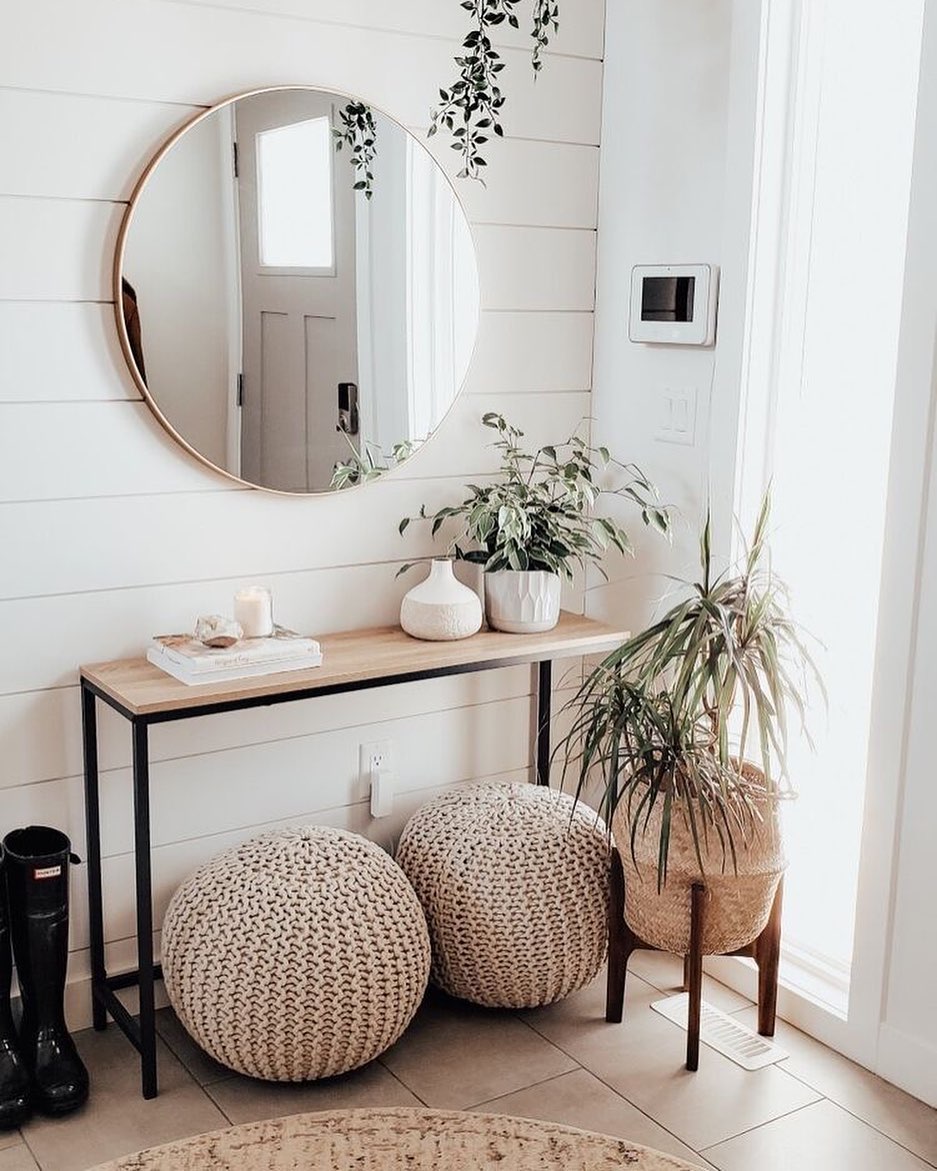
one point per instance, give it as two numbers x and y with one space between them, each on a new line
6 958
36 862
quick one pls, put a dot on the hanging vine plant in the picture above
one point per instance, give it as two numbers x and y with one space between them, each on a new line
358 131
470 110
546 24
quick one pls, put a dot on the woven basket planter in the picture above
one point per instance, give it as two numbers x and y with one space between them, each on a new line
300 954
737 903
514 883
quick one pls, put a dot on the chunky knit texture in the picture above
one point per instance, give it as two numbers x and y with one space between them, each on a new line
514 883
297 955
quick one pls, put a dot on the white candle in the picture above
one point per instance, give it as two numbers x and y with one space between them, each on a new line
253 609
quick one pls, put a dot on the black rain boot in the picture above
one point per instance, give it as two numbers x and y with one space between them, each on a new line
37 860
15 1093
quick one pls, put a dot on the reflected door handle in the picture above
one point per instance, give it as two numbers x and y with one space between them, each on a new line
348 408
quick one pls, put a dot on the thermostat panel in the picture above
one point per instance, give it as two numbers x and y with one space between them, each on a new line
674 304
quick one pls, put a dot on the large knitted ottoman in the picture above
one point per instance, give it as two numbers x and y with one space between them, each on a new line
300 954
514 883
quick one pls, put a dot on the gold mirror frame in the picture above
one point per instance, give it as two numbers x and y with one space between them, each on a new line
118 274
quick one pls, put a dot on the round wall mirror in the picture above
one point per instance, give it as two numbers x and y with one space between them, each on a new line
296 289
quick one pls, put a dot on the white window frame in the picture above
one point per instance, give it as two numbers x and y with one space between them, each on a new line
787 112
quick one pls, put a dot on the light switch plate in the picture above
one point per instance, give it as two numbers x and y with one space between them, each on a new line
676 415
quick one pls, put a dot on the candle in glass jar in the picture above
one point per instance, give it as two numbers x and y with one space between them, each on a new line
253 609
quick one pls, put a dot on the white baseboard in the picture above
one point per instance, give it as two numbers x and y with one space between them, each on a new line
795 1006
78 1001
908 1062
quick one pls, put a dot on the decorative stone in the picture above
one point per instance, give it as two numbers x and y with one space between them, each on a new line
440 608
514 883
522 601
300 954
217 631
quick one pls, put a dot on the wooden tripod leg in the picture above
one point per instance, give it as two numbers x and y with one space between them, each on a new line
767 952
620 942
695 974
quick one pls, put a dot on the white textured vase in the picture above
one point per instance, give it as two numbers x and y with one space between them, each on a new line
522 602
440 608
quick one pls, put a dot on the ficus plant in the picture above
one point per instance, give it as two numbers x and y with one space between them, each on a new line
537 513
369 463
671 717
470 108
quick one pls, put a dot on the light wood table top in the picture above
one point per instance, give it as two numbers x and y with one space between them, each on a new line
352 660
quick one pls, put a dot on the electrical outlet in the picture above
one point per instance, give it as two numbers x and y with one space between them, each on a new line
676 416
376 755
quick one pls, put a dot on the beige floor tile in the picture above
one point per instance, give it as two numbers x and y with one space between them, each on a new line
665 971
9 1138
199 1064
455 1055
580 1018
16 1157
117 1120
244 1099
643 1060
580 1099
822 1137
908 1121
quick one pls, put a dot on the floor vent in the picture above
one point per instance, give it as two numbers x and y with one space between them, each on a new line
723 1033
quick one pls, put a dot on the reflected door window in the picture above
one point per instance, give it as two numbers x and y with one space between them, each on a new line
294 187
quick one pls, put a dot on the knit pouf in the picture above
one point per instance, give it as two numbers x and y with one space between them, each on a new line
514 883
298 955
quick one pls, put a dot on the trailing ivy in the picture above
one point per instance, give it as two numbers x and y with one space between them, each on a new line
546 23
470 109
358 131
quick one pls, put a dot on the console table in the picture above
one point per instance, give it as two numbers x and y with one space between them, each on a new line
353 661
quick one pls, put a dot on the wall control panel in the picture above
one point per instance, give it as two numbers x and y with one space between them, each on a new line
674 304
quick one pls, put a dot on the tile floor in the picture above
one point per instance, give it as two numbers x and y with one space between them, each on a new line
816 1111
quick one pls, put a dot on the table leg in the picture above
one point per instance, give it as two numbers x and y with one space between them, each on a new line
695 974
544 701
141 828
89 731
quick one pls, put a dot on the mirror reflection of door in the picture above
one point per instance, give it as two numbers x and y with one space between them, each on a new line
299 327
327 304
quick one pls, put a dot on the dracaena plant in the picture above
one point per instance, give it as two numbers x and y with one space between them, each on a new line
669 718
537 514
470 109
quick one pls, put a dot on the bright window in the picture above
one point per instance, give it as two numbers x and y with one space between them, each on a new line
294 195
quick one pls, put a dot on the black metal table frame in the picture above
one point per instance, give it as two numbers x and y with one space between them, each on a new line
142 1031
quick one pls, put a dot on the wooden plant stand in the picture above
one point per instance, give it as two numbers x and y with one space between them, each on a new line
765 950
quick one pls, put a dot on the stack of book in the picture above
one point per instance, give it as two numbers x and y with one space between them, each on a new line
190 661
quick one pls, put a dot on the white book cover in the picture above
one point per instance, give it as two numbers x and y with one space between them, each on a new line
185 674
282 646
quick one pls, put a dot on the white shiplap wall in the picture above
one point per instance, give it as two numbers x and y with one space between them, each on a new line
109 532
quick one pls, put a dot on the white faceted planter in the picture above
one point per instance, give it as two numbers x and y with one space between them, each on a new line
441 608
522 602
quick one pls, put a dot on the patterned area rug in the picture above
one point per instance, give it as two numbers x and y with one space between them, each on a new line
398 1140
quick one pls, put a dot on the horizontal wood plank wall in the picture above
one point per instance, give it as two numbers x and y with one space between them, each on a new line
109 532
